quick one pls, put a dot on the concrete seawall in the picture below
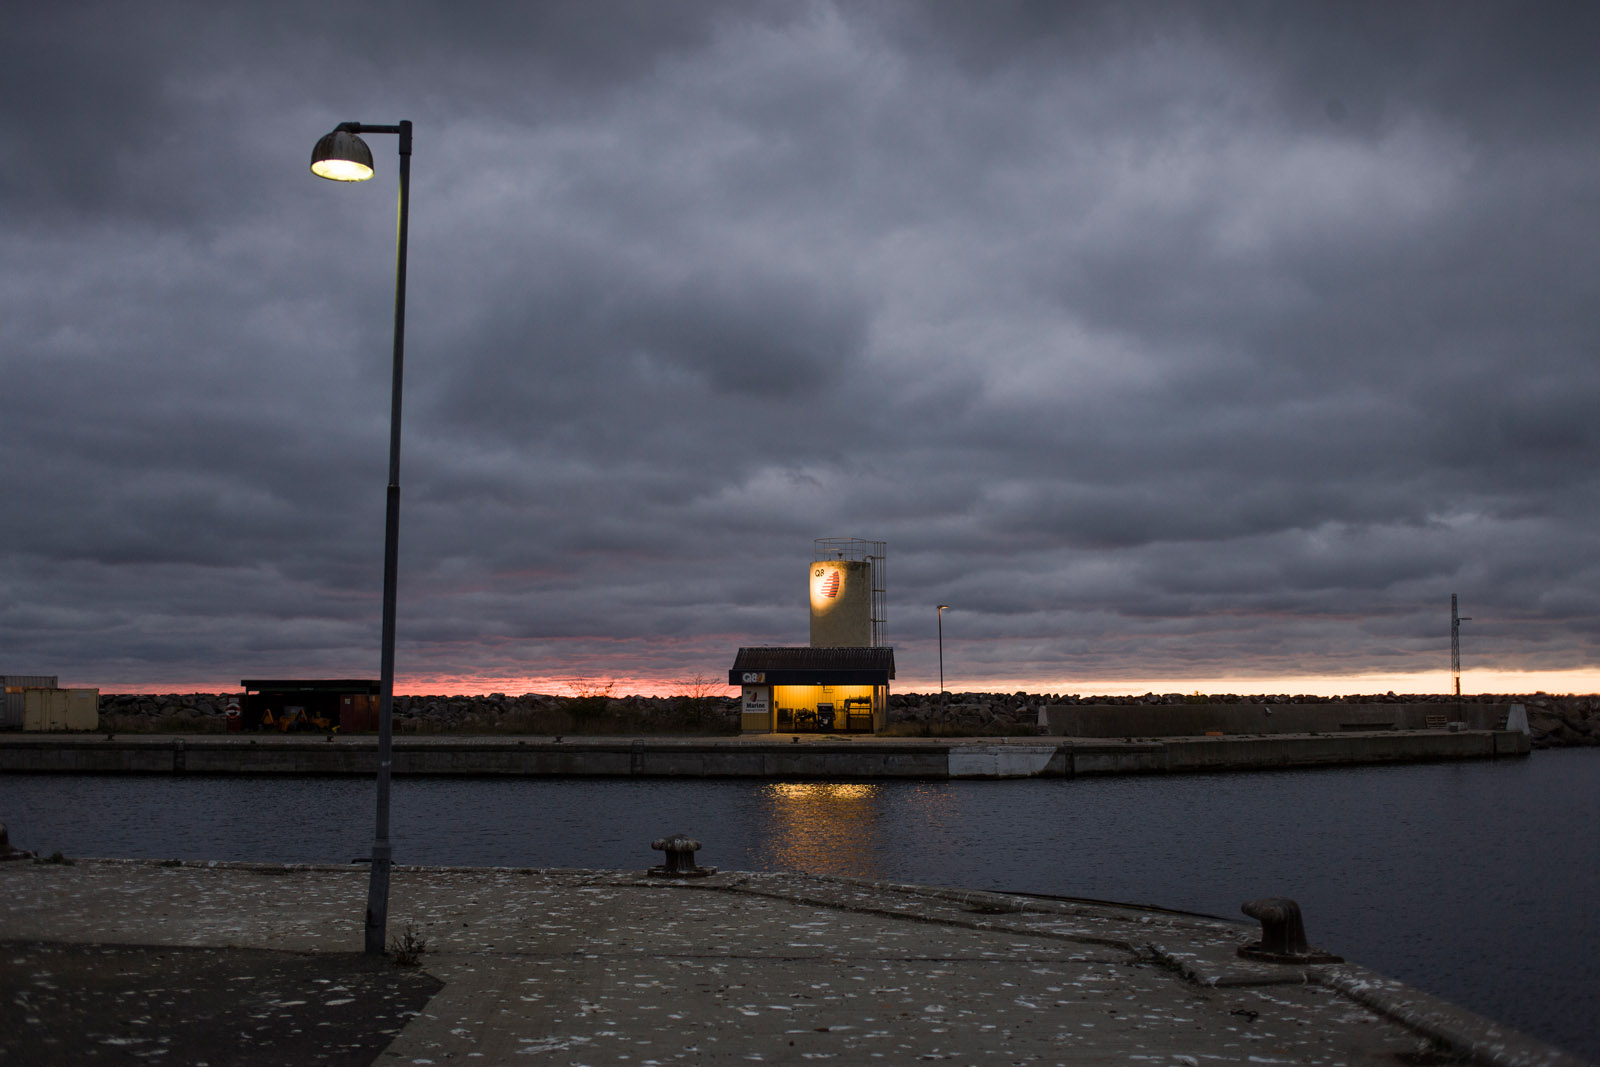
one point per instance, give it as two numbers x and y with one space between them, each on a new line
861 758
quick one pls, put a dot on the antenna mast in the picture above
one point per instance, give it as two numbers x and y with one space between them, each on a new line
1455 643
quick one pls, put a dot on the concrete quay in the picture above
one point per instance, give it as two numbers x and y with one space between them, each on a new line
260 964
752 756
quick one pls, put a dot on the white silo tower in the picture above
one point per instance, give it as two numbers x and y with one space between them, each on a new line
847 592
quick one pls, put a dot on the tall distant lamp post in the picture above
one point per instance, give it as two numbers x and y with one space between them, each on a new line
942 609
342 156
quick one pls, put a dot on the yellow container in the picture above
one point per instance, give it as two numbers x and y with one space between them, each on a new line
60 709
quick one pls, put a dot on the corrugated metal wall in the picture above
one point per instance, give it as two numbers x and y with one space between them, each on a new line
14 684
60 709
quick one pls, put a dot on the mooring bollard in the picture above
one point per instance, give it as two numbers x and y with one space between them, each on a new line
678 861
1283 934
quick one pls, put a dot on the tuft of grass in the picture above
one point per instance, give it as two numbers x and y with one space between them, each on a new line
55 858
406 948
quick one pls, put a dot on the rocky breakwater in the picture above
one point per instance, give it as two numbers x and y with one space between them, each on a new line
493 713
966 714
538 713
1564 721
1553 721
187 713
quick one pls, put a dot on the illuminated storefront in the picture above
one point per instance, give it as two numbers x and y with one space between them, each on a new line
813 690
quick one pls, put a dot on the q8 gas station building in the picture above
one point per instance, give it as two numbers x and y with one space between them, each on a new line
839 683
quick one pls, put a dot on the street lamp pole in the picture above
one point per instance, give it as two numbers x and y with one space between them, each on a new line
343 156
942 609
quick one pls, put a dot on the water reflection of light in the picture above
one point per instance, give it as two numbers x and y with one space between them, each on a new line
803 791
822 827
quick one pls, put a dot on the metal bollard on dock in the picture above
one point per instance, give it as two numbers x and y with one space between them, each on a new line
678 861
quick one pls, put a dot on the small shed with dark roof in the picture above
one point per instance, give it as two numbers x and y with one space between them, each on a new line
350 704
800 689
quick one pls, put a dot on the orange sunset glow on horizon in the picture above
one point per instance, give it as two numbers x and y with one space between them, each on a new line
1473 682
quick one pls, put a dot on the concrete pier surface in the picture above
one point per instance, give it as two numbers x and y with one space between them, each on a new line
254 964
781 756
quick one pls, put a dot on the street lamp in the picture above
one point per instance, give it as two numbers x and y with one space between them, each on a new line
342 156
942 609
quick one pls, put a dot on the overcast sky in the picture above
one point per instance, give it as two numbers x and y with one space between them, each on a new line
1166 344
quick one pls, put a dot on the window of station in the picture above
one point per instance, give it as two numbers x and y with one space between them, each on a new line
822 708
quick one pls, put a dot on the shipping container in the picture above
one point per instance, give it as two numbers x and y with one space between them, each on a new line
11 713
60 709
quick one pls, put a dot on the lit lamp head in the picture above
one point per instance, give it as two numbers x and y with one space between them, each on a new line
341 156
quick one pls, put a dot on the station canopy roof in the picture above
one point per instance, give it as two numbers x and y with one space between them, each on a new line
312 685
802 665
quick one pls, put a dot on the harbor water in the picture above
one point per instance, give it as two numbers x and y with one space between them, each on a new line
1473 880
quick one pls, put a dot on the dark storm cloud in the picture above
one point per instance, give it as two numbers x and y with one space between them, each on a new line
1159 339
